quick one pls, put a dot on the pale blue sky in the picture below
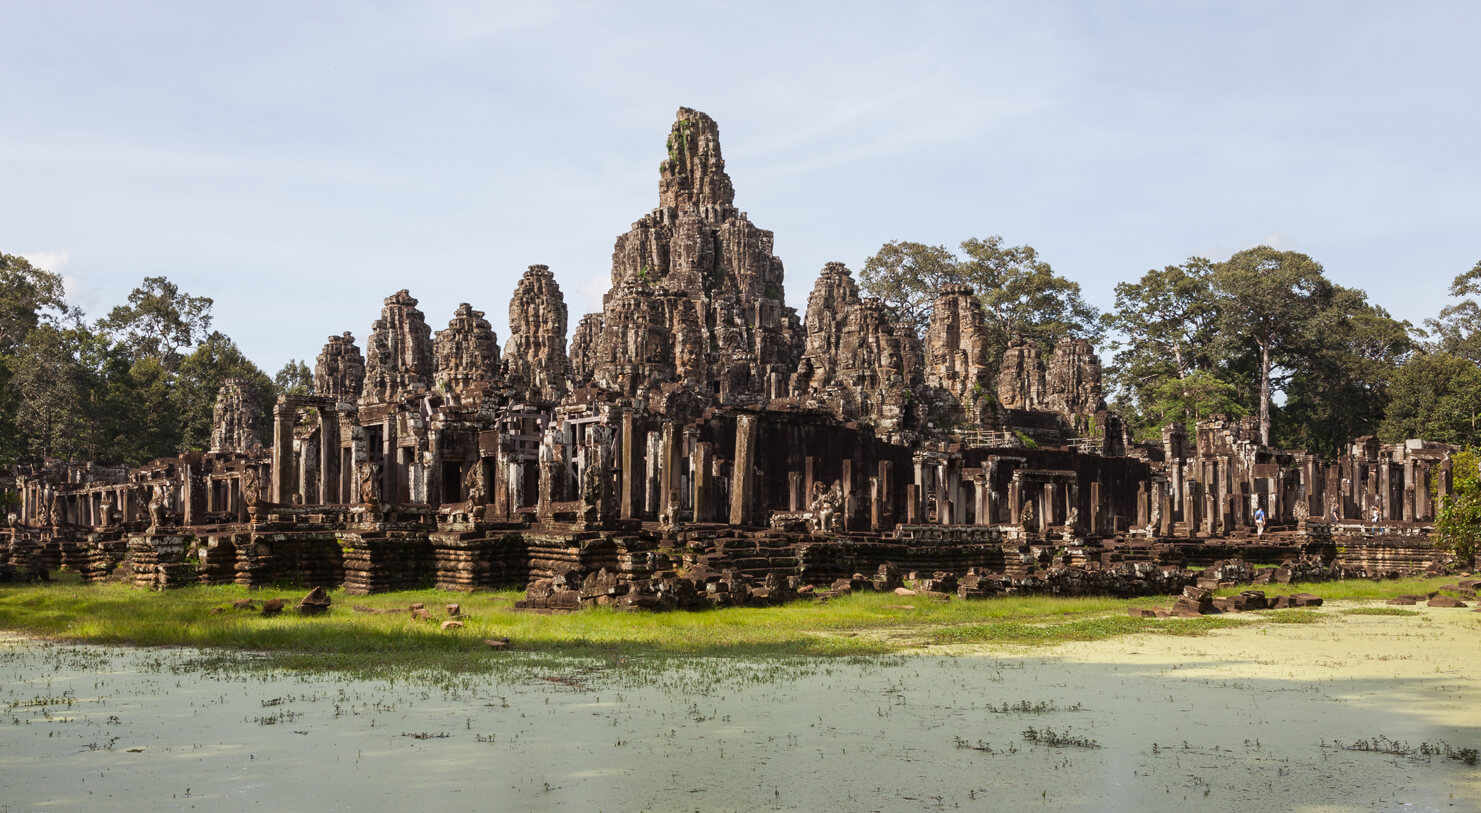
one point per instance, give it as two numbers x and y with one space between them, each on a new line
299 161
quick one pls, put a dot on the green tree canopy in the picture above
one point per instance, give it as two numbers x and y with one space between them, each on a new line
1269 302
1021 294
1457 330
1435 396
1163 331
1459 522
295 378
199 379
27 296
159 320
1341 387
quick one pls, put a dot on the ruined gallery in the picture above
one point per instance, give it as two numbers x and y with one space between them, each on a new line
698 442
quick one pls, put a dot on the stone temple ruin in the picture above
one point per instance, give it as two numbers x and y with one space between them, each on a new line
701 443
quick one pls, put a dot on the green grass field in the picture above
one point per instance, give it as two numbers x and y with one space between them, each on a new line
860 624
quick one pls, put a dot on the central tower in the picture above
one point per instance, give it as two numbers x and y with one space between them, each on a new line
697 297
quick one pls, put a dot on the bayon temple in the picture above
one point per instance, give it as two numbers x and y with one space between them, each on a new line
698 442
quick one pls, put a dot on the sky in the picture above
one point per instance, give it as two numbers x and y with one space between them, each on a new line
300 161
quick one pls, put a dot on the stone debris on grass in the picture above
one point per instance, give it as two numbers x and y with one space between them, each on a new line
315 603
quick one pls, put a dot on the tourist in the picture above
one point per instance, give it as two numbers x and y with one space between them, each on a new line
1259 521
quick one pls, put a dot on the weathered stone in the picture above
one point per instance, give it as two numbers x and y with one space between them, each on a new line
956 352
236 418
317 601
535 361
697 297
1021 377
853 361
399 352
339 372
466 353
1072 385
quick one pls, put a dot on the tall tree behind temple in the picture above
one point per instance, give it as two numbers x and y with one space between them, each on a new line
1341 388
200 377
1269 302
1021 295
159 321
1457 330
295 378
1435 396
1165 367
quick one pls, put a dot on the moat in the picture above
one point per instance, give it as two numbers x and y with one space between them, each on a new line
1262 716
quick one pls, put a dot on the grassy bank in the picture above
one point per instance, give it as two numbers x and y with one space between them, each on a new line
860 624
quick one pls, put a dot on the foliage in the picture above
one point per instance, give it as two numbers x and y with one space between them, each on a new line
1459 523
906 277
29 297
1435 396
1195 397
49 391
295 378
1341 385
1021 295
1165 367
200 377
159 320
1268 303
1457 330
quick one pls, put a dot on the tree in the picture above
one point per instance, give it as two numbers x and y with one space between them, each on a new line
1459 522
49 418
159 320
199 379
27 293
1457 330
1341 388
1024 298
906 277
1164 329
1021 294
1196 396
1435 396
294 379
1268 301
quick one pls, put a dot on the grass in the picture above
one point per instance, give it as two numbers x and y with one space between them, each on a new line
1348 589
860 624
1379 611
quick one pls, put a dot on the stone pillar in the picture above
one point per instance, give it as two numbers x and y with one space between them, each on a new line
1097 517
652 464
1015 500
668 476
389 463
742 479
912 504
955 492
886 494
796 501
809 476
631 477
329 456
876 505
190 488
283 453
850 501
704 490
943 497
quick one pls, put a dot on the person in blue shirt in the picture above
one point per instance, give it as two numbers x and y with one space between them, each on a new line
1259 521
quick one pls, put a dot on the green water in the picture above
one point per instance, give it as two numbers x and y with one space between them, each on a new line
109 728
